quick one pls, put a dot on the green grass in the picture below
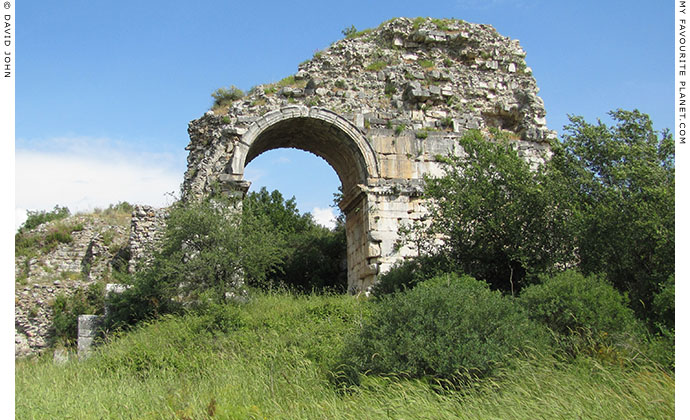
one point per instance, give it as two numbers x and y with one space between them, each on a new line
376 66
271 358
427 64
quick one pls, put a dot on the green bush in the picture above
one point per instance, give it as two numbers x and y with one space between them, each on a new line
573 305
226 96
36 218
449 328
67 308
30 243
405 275
207 249
661 348
664 305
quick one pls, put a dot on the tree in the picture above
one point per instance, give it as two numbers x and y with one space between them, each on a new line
313 254
622 183
208 249
500 221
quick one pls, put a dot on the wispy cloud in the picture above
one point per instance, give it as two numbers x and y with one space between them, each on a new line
83 174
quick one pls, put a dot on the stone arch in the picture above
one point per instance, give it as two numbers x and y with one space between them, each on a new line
345 148
316 130
381 130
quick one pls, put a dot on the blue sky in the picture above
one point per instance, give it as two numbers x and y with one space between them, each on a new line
104 90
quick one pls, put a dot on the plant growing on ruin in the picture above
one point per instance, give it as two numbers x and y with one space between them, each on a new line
447 122
426 64
376 66
38 217
349 32
226 96
389 89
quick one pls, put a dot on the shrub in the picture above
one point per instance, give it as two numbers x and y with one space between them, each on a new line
664 305
376 66
571 304
226 96
349 32
30 243
209 248
448 328
37 218
389 89
407 274
66 311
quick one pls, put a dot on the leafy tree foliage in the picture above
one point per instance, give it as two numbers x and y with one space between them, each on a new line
501 221
314 256
622 185
208 247
604 203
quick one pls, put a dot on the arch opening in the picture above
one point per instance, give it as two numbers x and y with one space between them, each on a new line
322 138
342 146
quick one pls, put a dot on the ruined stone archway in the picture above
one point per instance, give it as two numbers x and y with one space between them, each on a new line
379 108
339 143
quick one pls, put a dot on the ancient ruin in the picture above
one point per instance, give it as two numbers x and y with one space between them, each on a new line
379 107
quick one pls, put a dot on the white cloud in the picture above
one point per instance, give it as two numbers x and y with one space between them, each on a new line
85 174
324 217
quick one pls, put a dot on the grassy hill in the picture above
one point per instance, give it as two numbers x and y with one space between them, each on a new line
271 358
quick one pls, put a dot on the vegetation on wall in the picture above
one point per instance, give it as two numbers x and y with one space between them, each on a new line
226 96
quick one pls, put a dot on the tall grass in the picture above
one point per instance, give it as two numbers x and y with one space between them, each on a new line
270 359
